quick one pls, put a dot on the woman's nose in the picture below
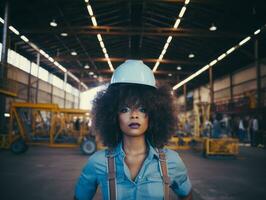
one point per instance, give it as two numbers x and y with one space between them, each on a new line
134 114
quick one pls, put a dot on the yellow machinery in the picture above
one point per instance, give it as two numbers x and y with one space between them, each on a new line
202 114
221 146
47 124
179 143
225 146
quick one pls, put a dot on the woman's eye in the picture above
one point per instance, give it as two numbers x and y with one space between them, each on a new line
124 109
143 110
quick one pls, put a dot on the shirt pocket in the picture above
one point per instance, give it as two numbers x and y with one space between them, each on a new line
152 188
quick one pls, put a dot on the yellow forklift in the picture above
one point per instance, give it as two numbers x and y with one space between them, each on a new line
203 140
48 125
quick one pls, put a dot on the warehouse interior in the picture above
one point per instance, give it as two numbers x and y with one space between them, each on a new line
55 56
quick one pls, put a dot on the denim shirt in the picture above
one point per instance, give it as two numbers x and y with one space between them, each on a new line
148 183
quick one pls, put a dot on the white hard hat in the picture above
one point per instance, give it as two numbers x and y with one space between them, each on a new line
133 71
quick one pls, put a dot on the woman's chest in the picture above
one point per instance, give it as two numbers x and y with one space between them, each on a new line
147 183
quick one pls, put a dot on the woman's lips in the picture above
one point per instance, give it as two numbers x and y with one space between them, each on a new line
134 125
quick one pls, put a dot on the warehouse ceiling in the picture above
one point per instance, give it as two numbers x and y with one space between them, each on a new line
135 29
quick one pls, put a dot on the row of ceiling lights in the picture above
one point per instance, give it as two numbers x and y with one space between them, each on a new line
99 36
218 59
169 39
25 39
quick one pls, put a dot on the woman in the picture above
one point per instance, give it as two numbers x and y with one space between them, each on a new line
135 119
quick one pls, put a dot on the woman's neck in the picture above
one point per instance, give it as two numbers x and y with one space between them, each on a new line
134 145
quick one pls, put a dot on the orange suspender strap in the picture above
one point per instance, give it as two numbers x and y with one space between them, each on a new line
166 179
111 175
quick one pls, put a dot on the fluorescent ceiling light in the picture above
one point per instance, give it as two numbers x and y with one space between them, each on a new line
257 32
213 28
62 68
166 46
179 68
1 20
94 22
177 22
187 2
64 34
244 41
213 62
221 56
230 50
155 66
42 52
90 10
14 30
6 114
95 76
53 23
73 53
102 44
91 73
24 38
87 66
169 39
51 59
191 55
182 12
170 74
56 63
100 39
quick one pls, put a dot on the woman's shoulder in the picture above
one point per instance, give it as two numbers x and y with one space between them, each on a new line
98 157
96 163
172 156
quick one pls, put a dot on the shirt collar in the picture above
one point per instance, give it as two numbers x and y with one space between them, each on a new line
153 152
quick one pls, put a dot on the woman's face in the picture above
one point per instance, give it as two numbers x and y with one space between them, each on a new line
133 121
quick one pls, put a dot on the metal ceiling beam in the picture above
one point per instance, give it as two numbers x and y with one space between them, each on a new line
147 60
111 30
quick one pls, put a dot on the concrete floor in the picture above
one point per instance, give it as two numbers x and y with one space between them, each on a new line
43 173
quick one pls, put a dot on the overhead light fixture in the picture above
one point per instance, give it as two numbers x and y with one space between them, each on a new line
213 27
222 56
191 55
179 68
73 53
14 30
6 114
53 23
177 22
176 25
170 74
91 73
64 34
1 20
182 12
90 10
24 38
257 32
86 66
95 76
